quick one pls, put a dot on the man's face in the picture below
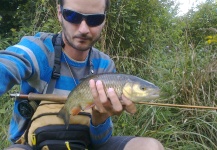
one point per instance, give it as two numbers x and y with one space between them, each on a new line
81 36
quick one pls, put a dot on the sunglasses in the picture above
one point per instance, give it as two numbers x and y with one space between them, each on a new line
92 20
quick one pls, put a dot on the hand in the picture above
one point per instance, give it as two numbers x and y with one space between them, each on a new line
107 105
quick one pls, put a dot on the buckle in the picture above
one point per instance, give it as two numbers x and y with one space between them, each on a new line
55 75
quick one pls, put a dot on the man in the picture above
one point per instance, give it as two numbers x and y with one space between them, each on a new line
30 63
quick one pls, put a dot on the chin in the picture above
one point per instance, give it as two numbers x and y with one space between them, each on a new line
82 48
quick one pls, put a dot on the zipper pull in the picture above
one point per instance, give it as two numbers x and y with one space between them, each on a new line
67 145
33 139
91 68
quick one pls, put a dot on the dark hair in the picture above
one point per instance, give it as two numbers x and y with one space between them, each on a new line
107 3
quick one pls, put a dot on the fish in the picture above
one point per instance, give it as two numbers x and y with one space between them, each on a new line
132 87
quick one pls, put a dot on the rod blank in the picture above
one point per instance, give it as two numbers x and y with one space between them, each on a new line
179 106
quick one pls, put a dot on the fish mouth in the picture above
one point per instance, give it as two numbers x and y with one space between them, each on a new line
154 93
145 96
151 94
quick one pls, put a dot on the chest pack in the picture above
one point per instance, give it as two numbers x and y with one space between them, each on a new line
46 131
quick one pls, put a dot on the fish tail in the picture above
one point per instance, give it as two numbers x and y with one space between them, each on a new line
63 113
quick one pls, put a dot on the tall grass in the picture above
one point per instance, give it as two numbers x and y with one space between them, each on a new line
185 75
6 109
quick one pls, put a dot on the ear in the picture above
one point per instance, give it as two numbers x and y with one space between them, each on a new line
59 13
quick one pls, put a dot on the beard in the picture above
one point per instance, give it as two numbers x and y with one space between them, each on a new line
80 47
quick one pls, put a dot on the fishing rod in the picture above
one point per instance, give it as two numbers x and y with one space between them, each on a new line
39 97
62 99
177 105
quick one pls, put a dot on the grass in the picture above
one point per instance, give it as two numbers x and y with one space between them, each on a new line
185 77
5 114
6 109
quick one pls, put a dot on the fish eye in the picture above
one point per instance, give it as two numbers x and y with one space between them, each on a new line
143 88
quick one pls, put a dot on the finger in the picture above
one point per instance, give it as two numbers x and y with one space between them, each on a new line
95 94
101 91
116 105
129 105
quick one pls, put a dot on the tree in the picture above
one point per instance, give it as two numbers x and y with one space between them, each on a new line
133 26
27 18
202 21
11 12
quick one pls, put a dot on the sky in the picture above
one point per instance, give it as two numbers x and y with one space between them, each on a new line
185 5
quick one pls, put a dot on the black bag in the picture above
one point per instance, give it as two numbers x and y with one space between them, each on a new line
75 137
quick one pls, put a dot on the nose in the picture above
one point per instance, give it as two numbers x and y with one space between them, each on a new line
83 27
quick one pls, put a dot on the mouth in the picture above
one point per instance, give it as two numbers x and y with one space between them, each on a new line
82 38
155 94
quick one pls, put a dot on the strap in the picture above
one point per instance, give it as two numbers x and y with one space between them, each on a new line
58 44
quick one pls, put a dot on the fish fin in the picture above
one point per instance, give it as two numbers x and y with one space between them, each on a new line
90 105
65 116
75 110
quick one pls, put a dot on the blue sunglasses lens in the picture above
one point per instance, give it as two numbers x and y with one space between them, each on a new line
95 20
76 18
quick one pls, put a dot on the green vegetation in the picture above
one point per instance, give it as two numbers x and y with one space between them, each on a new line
147 39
